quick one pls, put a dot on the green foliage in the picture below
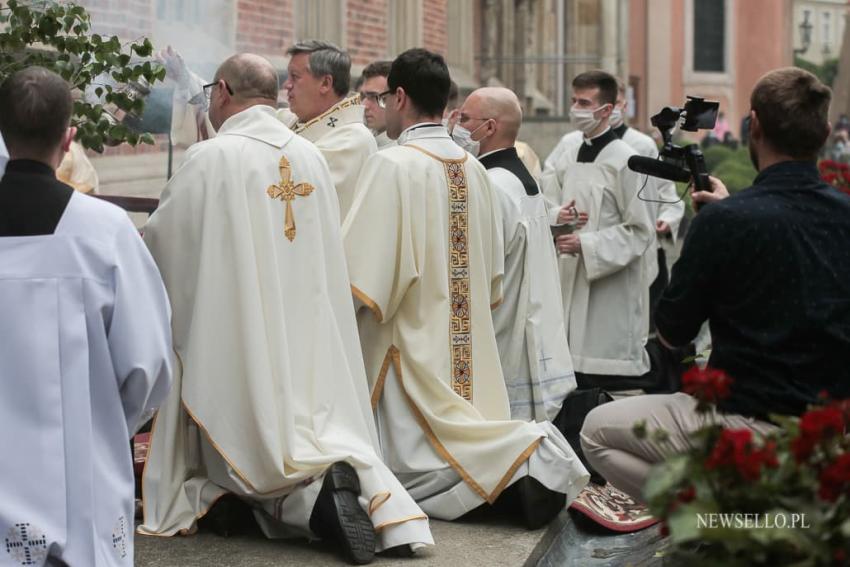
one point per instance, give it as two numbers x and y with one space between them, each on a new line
58 37
716 154
826 71
736 172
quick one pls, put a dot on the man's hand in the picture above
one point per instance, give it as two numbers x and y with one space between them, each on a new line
569 214
662 227
569 244
718 193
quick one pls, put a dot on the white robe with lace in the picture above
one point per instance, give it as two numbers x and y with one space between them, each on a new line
605 288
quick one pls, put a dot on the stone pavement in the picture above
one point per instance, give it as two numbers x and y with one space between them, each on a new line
482 541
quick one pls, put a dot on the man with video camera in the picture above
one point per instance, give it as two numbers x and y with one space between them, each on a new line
769 268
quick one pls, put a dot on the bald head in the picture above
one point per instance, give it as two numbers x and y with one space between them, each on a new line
502 105
250 77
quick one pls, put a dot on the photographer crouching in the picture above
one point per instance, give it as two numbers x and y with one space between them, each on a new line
769 268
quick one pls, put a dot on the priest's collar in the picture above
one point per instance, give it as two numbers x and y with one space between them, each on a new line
29 166
621 130
591 148
507 158
336 115
422 130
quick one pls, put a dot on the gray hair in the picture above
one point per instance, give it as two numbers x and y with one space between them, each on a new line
326 59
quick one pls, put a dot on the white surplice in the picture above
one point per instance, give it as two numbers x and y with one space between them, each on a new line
605 288
270 390
346 143
430 353
85 353
663 201
529 323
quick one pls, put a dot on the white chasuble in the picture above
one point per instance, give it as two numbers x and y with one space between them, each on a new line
85 355
270 390
529 323
605 288
425 254
346 143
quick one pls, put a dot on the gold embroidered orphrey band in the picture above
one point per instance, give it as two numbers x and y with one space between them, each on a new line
286 191
460 332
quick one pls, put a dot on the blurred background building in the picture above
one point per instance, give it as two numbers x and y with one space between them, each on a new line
662 49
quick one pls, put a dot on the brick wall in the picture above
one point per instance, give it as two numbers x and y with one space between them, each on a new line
128 19
366 30
265 27
434 25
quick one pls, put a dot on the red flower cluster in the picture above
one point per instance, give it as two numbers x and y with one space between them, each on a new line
708 385
815 426
835 479
836 174
735 449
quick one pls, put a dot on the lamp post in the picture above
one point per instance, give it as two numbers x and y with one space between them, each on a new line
805 34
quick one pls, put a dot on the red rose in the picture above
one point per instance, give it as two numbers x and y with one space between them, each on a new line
708 385
735 449
664 529
835 479
815 426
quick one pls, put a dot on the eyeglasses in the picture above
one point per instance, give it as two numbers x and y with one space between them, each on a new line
208 86
370 95
382 98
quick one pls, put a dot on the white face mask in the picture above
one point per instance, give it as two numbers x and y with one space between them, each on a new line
463 138
584 119
616 117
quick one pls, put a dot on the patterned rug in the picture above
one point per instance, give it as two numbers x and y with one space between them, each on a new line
612 508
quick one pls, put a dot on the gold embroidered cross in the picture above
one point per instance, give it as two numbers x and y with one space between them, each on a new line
286 190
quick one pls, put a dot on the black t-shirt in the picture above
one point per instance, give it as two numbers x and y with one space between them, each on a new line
770 270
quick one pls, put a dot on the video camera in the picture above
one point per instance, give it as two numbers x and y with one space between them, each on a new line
680 163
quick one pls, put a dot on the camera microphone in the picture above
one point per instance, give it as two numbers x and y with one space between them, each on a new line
657 168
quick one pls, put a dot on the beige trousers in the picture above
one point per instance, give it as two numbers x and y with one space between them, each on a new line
613 449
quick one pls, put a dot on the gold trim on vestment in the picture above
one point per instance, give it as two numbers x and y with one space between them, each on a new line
435 156
460 294
378 500
182 531
389 523
378 389
395 355
368 302
353 100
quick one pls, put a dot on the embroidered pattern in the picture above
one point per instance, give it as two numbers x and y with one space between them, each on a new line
119 537
332 121
26 544
286 191
460 332
353 100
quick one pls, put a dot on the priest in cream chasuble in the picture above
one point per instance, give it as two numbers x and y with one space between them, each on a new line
529 323
270 389
604 266
425 255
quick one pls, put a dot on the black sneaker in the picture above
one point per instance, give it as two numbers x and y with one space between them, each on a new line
338 517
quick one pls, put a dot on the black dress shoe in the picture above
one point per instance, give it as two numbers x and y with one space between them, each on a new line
338 517
537 504
229 516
